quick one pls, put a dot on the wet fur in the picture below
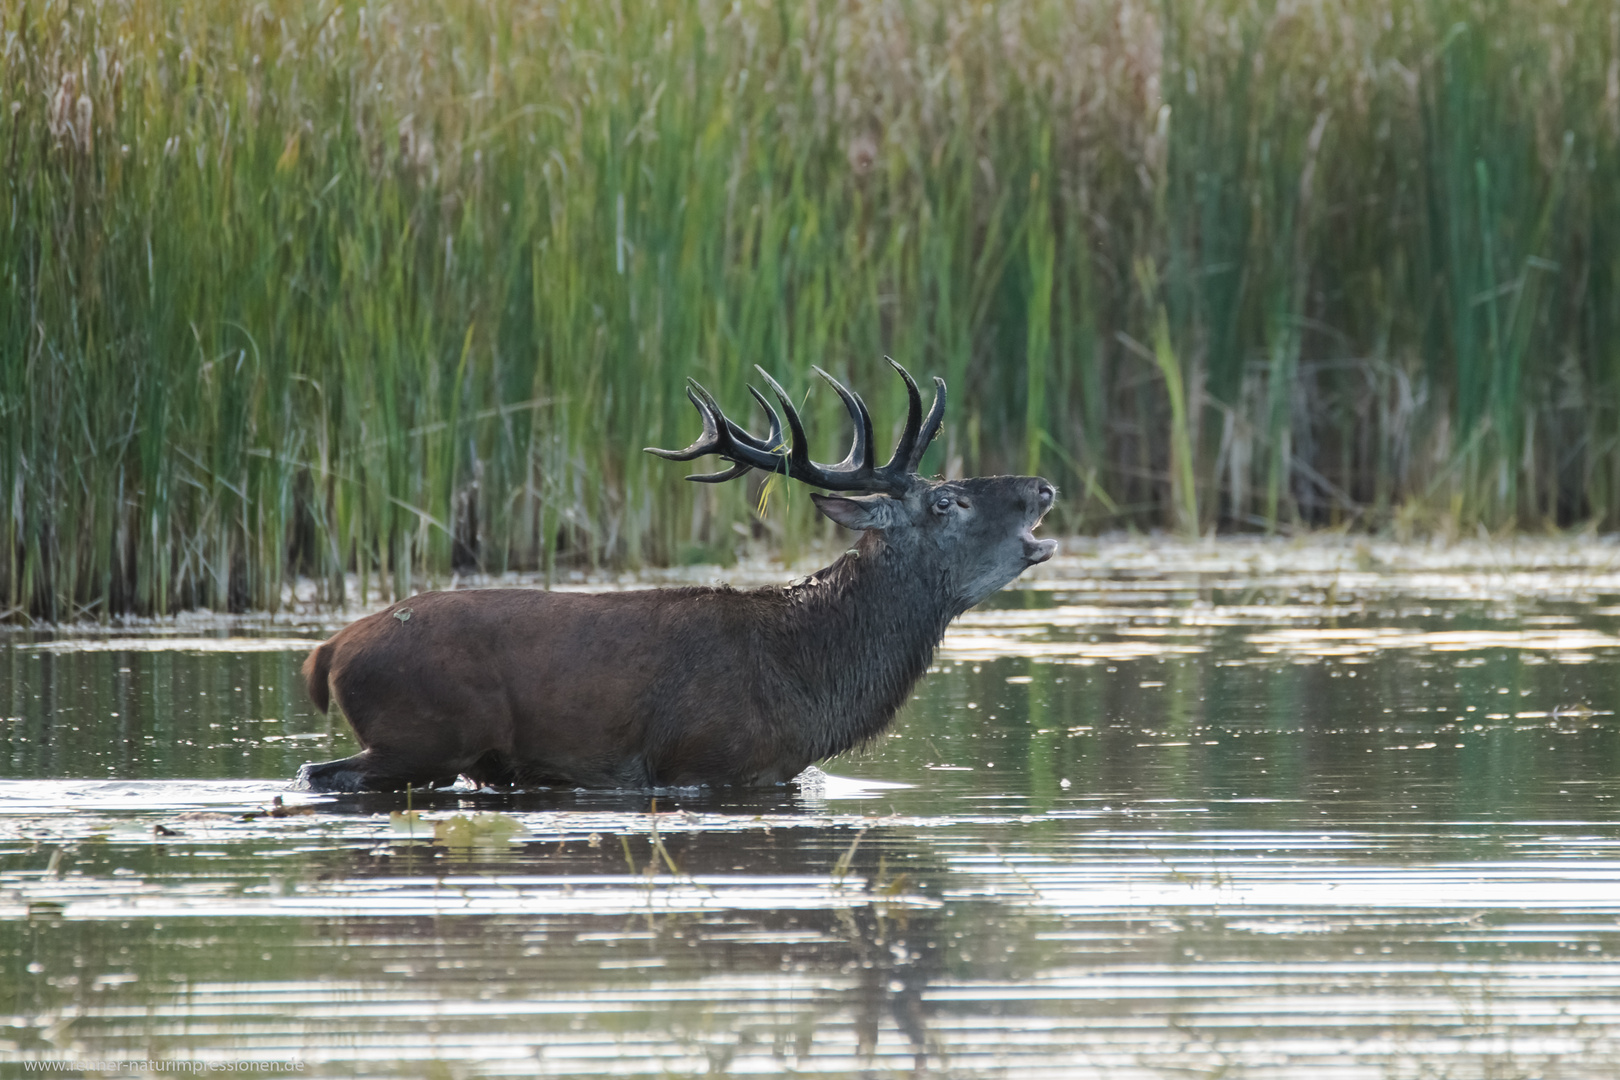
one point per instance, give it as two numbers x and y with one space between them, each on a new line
663 687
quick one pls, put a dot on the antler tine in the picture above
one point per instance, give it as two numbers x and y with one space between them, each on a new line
846 476
930 428
736 444
724 438
720 477
860 451
903 460
770 444
706 443
800 465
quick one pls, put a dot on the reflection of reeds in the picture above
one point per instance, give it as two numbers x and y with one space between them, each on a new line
387 288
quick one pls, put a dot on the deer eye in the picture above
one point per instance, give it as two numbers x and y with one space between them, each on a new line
944 503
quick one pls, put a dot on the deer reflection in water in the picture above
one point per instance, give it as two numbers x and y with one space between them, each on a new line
865 954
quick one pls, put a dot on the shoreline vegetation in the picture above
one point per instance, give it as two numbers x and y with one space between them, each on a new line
373 293
1337 572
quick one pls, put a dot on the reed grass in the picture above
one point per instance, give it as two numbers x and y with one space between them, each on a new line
396 288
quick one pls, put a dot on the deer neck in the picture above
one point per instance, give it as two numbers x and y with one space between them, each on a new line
862 632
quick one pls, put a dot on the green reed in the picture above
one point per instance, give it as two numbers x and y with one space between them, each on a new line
391 289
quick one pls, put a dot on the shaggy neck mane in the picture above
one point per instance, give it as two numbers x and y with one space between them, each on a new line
857 636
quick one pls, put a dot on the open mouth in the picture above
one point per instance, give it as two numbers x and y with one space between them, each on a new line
1037 551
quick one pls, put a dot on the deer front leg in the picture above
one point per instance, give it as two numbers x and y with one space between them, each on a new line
366 771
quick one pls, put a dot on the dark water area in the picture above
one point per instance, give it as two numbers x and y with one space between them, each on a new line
1239 811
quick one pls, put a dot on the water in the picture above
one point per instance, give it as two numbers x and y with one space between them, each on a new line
1251 810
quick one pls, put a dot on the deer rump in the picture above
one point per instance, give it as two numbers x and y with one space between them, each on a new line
676 687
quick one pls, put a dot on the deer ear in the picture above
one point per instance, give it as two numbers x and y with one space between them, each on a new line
858 512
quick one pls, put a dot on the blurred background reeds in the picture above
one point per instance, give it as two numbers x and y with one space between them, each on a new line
371 293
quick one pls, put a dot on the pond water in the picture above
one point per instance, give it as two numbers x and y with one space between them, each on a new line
1232 810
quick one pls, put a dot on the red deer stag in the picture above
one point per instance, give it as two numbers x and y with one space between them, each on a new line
687 686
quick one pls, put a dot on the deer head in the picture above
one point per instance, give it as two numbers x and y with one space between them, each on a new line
968 537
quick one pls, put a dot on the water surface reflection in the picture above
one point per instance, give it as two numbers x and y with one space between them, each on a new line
1303 818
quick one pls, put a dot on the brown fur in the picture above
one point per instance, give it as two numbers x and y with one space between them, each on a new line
671 686
315 676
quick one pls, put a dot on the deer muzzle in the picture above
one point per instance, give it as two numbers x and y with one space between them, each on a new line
1037 551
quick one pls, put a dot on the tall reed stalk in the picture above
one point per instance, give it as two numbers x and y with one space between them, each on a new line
394 288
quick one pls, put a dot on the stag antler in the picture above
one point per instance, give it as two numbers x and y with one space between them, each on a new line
856 472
